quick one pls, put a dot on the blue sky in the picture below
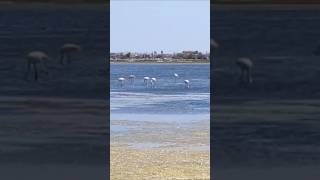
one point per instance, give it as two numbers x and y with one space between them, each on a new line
155 25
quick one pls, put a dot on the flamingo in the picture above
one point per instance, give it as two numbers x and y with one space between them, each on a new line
131 79
187 84
214 43
245 65
146 81
153 82
33 59
175 77
67 50
121 81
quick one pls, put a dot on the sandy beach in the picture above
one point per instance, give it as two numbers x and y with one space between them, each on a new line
160 150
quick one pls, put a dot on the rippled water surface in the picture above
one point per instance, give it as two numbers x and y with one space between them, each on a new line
170 96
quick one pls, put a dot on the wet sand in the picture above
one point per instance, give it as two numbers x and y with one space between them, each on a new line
160 150
136 164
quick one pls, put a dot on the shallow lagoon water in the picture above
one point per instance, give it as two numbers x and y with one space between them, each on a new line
168 102
168 97
165 118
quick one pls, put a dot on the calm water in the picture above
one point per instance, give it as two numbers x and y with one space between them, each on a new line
168 97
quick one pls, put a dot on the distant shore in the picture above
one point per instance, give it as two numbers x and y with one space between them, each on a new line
179 61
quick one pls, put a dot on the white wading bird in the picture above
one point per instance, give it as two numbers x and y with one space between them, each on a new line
121 81
187 84
131 79
146 81
176 76
153 82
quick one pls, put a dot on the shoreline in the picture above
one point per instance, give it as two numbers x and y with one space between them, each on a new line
160 62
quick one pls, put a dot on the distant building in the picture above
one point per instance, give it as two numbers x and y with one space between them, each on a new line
132 56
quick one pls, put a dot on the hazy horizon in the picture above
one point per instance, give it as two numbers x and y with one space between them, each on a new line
168 26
